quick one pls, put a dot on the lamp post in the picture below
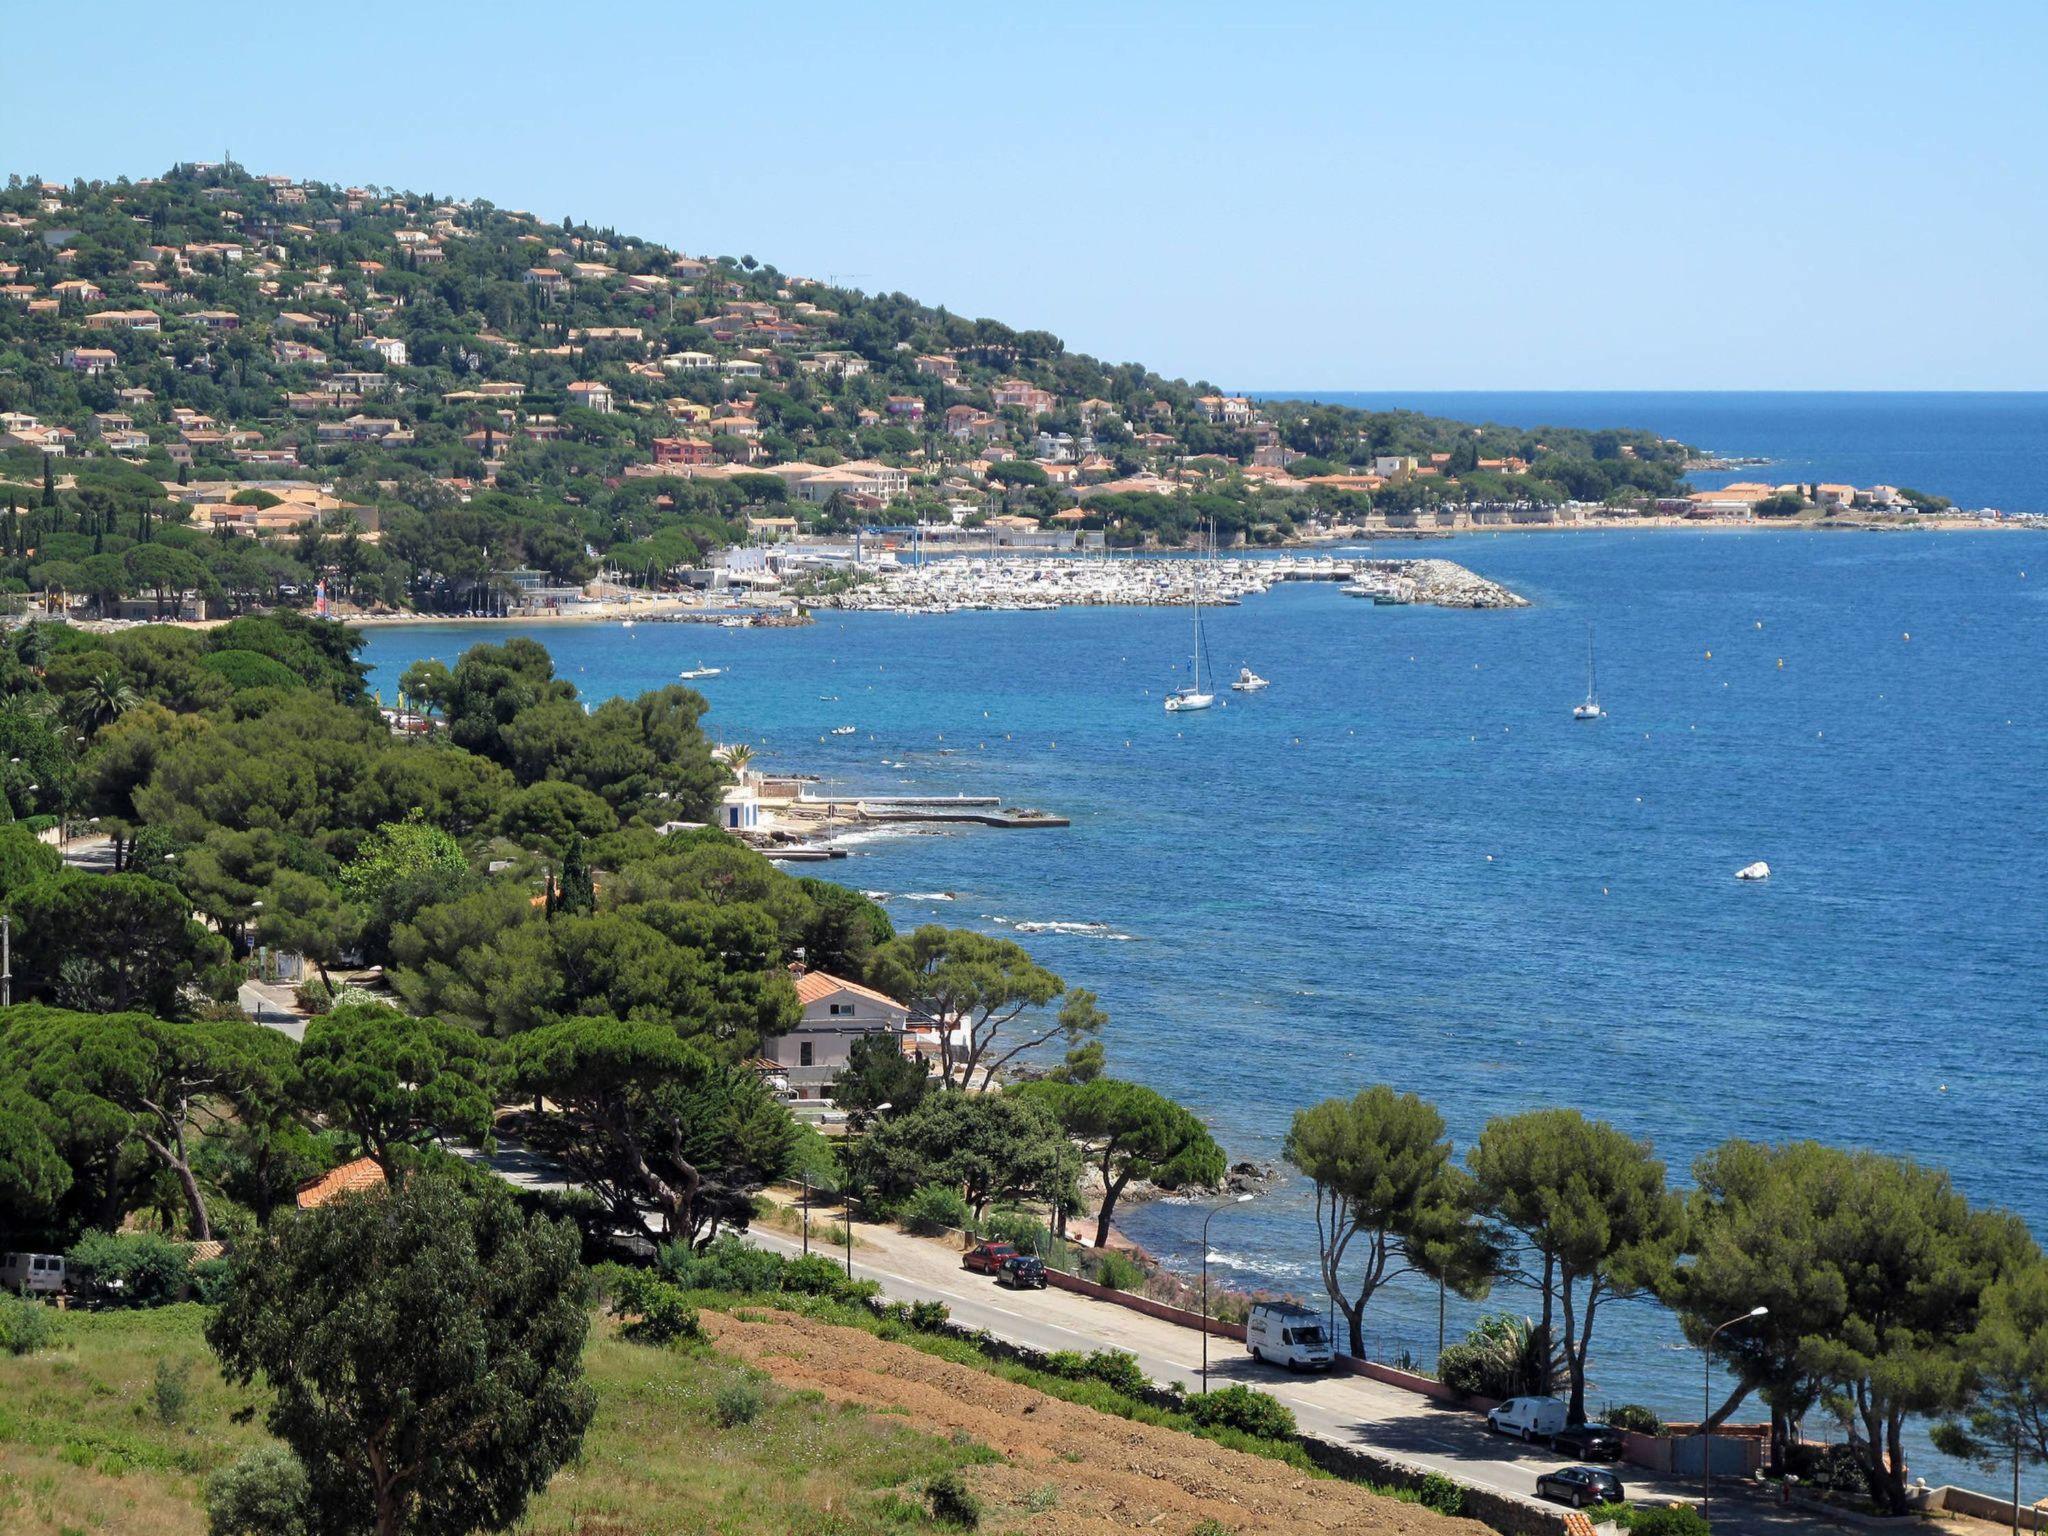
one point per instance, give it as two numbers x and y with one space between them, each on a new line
1707 1405
1240 1200
846 1211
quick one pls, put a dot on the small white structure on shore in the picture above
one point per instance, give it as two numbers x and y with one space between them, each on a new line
836 1013
1757 871
739 808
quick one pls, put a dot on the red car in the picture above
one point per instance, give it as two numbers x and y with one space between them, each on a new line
988 1258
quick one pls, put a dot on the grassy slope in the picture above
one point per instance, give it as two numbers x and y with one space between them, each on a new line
83 1449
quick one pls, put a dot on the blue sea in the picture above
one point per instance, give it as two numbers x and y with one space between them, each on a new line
1406 862
1979 450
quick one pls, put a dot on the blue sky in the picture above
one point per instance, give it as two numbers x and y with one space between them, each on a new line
1266 194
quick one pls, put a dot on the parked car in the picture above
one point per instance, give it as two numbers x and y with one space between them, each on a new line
1580 1486
1590 1442
32 1274
1531 1418
988 1258
1022 1272
1282 1333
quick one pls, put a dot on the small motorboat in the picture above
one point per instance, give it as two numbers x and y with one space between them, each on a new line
843 730
1249 681
700 670
1757 871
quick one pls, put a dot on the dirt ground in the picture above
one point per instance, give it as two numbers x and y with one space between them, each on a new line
1067 1470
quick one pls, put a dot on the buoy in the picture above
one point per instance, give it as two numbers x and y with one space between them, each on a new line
1710 655
1781 663
1907 635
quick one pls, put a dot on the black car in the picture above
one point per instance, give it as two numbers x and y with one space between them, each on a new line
1589 1442
1580 1486
1025 1272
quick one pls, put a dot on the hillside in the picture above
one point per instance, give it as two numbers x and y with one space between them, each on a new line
410 397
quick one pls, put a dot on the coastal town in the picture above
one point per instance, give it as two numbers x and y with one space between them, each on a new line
509 1107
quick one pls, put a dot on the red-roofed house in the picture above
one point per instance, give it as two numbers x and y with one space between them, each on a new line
349 1178
836 1013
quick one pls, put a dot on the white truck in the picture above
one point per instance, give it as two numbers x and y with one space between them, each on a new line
32 1274
1281 1333
1531 1418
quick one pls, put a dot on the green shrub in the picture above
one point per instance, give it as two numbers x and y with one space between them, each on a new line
24 1325
210 1279
951 1502
315 996
1670 1520
168 1393
130 1269
813 1276
1500 1358
929 1316
934 1210
659 1313
727 1265
1441 1494
1239 1407
262 1494
1634 1416
1212 1528
737 1403
1067 1363
1116 1369
1119 1272
1027 1232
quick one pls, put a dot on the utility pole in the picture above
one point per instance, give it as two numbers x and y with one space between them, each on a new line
6 960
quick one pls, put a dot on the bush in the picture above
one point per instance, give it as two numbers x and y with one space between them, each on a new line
315 996
1118 1370
1441 1494
929 1316
24 1325
1670 1520
132 1269
1027 1232
727 1265
951 1502
1499 1358
1119 1272
934 1210
168 1393
262 1494
1240 1408
1634 1416
737 1403
813 1276
210 1281
1067 1363
661 1316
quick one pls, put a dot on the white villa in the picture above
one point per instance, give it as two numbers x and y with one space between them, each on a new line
836 1013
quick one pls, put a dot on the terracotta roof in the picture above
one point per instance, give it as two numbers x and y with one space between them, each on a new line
361 1174
815 986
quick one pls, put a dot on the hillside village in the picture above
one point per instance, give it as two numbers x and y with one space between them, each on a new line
220 390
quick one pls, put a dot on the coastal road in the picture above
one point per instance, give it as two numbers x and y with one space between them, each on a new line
1346 1410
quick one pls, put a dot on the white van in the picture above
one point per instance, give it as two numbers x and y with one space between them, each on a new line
1281 1333
1533 1418
32 1274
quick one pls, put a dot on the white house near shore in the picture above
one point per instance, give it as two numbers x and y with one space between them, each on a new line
836 1013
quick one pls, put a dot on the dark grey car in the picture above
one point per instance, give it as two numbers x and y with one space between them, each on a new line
1580 1486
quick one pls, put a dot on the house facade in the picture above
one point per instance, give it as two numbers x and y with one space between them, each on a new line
836 1013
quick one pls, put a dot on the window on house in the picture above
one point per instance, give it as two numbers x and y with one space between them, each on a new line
804 1054
841 1009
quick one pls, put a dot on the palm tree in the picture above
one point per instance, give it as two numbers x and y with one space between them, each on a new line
103 700
737 757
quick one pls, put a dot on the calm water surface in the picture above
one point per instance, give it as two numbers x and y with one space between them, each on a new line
1405 862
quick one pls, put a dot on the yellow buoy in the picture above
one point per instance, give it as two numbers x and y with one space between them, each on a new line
1781 663
1710 655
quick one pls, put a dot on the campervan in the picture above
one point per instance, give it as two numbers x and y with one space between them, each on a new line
1281 1333
32 1274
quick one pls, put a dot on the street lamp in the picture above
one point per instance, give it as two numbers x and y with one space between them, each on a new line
846 1204
1707 1405
1240 1200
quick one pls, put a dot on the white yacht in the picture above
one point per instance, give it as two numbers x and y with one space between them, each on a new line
1249 681
700 670
1590 710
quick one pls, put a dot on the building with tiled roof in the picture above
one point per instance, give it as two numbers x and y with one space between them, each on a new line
836 1013
348 1179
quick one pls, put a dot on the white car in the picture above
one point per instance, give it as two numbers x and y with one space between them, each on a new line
32 1274
1531 1418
